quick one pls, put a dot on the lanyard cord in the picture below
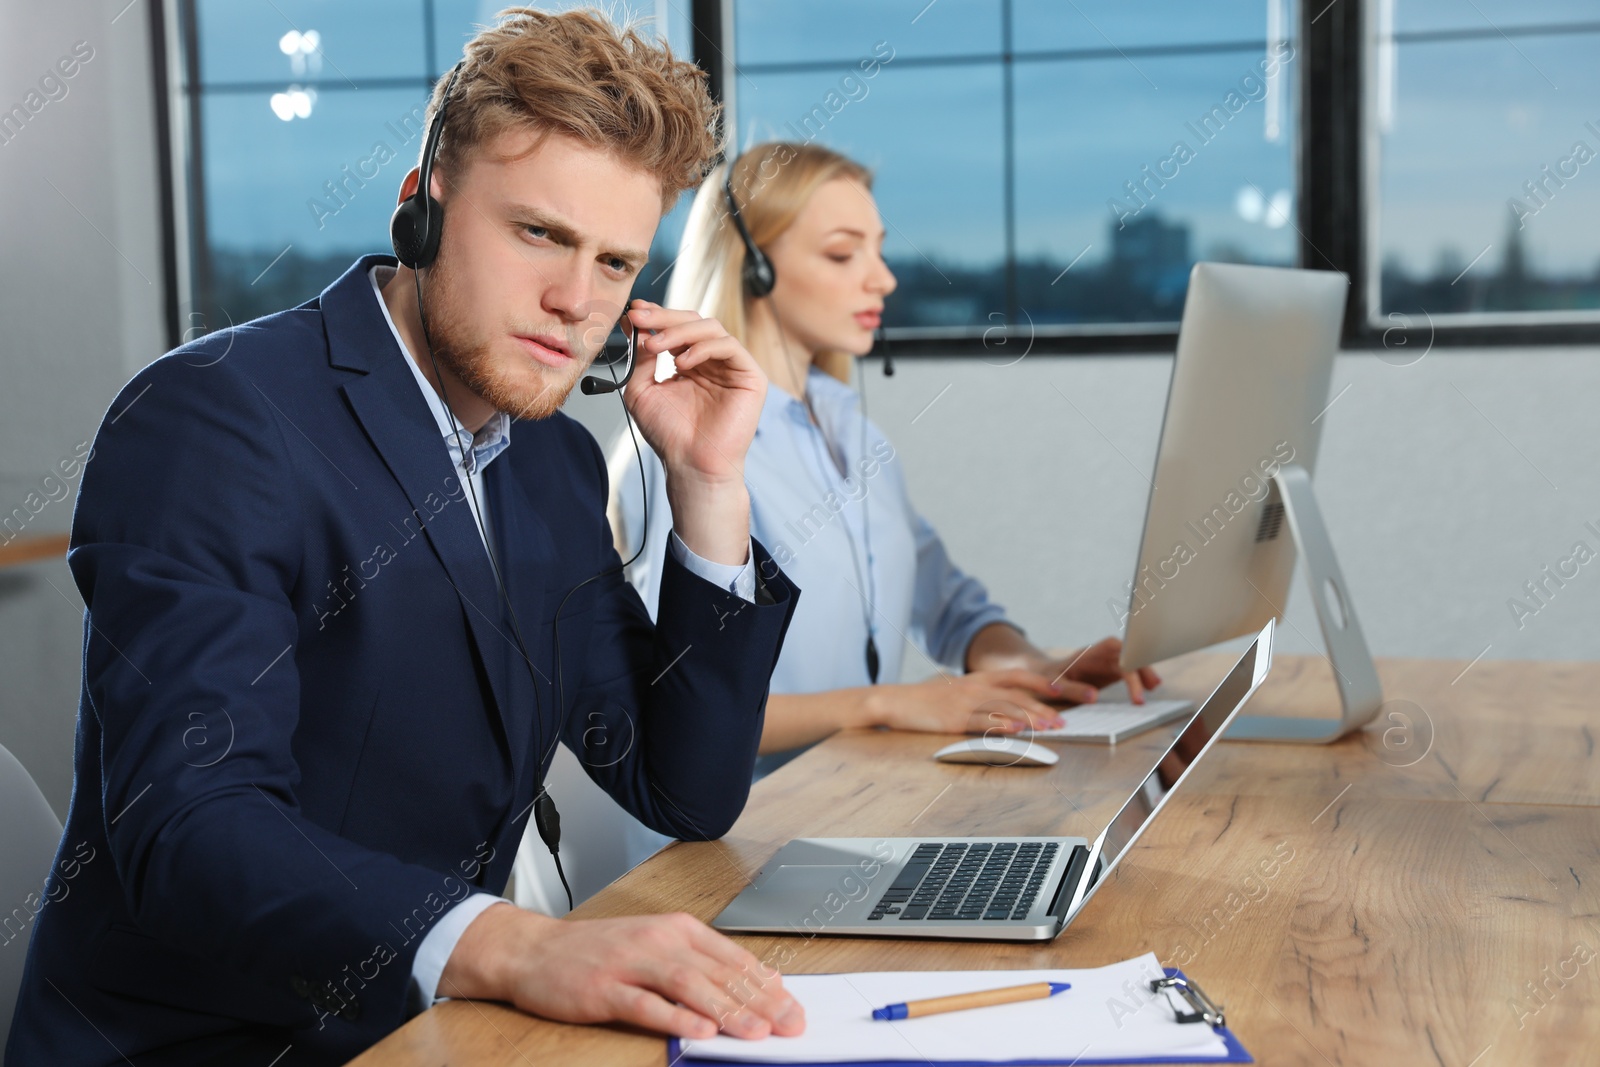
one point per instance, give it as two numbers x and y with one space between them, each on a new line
869 607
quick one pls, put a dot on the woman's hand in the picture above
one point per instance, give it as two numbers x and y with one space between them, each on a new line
1001 645
1002 701
1099 666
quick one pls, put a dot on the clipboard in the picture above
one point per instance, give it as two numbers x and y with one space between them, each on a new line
1201 1010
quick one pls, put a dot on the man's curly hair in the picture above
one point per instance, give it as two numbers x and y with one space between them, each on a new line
579 74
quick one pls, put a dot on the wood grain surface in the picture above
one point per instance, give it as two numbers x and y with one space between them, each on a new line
1434 895
29 549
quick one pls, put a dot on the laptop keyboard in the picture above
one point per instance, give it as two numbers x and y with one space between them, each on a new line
952 881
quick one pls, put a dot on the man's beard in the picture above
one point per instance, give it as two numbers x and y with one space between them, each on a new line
468 356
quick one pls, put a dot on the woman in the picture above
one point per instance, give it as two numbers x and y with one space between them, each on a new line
828 496
828 499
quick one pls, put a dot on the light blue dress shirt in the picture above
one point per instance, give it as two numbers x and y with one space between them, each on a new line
816 521
469 455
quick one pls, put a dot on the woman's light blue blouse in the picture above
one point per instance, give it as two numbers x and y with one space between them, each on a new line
863 557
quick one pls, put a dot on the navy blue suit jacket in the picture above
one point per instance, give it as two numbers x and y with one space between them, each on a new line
305 728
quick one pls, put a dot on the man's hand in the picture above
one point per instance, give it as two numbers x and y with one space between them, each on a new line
668 973
700 422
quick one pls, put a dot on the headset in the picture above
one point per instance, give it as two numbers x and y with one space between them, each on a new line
415 230
417 223
593 384
760 278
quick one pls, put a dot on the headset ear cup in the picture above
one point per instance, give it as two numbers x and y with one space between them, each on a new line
759 276
414 230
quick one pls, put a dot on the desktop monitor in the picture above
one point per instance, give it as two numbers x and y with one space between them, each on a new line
1249 387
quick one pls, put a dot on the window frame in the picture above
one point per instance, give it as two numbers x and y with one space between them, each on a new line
1335 172
1335 185
1351 160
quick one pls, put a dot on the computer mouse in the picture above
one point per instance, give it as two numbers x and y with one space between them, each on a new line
997 750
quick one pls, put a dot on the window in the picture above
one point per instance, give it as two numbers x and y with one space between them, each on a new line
1054 165
1487 192
303 117
1050 168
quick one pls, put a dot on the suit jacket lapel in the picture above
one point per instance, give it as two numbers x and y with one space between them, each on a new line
392 411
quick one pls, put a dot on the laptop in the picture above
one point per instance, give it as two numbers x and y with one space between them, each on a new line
983 888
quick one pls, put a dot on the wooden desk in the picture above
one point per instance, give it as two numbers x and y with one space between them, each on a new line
29 549
1440 867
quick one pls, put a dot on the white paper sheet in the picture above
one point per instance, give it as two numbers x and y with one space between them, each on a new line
1108 1013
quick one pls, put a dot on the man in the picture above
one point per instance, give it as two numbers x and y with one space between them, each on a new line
317 710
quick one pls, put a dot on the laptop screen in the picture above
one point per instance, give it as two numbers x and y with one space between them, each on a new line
1209 720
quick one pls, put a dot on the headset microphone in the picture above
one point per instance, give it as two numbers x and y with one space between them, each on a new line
593 384
882 343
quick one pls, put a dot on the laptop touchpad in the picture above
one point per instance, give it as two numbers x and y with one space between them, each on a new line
807 887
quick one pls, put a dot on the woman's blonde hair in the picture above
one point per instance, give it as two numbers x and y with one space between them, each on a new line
772 183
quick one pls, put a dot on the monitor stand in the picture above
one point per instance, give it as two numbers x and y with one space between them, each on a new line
1360 693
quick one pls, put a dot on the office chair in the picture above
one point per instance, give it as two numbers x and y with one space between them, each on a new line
28 836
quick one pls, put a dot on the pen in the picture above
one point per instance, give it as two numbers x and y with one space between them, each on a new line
962 1001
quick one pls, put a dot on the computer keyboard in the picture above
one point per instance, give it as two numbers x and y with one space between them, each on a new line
947 881
1110 723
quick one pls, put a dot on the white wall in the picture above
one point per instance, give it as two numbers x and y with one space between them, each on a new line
1446 485
1440 511
80 300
